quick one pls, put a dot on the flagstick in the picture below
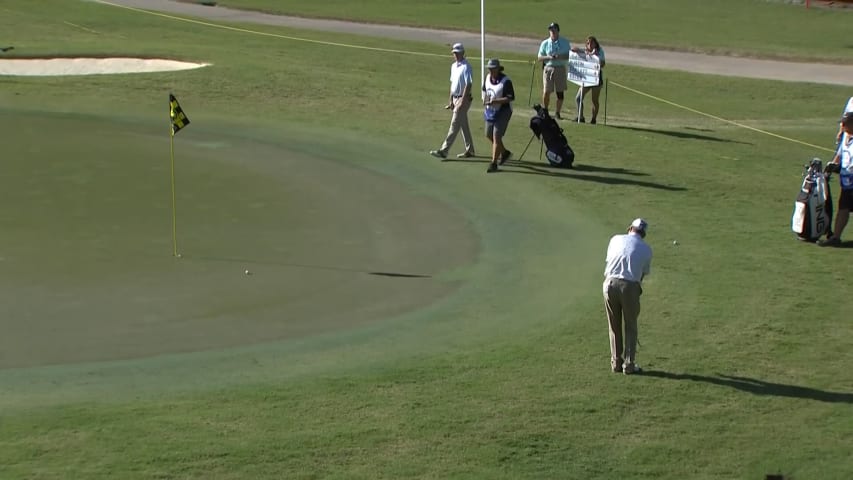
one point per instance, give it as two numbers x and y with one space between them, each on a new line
483 46
174 212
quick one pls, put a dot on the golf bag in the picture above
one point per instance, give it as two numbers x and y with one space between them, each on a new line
558 151
813 208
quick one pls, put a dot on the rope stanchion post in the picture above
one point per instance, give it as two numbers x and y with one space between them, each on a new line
532 79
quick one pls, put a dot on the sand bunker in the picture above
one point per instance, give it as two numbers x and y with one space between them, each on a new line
40 67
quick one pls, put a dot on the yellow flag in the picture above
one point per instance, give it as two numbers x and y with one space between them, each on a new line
177 115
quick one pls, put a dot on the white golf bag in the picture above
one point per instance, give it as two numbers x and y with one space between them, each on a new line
812 217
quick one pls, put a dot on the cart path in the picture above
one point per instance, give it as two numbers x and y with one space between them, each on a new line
659 59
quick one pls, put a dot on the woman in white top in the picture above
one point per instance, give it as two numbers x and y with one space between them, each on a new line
593 48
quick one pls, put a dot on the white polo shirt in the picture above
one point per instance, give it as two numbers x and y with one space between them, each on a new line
628 258
461 74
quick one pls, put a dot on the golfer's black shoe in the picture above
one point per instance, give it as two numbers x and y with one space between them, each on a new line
558 116
632 370
506 155
582 120
616 365
592 122
493 167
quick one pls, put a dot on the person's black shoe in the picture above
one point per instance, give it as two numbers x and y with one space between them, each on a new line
506 155
592 122
493 167
582 120
830 242
558 116
632 370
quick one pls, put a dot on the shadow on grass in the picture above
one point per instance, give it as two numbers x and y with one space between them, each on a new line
844 244
671 133
536 168
758 387
248 261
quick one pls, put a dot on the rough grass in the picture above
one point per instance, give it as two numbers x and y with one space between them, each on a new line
509 377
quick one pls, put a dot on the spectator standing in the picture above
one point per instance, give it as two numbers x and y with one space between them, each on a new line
592 48
554 53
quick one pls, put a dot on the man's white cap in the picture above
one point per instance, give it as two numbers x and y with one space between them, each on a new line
457 48
640 224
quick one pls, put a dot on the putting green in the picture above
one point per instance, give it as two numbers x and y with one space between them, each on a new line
361 252
88 273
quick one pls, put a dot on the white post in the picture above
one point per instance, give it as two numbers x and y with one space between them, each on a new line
482 45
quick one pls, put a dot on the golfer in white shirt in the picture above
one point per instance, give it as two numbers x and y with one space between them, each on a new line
629 259
461 81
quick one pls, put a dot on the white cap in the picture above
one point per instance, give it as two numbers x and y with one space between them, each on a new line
640 224
457 48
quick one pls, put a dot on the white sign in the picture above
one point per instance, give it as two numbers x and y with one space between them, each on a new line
584 69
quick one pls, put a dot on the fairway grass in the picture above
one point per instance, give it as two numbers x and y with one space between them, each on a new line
500 370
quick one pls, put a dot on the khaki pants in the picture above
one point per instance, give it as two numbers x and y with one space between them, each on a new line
458 122
622 303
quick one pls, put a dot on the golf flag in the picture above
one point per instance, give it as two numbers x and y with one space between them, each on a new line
178 120
177 115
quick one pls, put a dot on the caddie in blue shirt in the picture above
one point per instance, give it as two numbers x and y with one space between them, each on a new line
554 53
842 164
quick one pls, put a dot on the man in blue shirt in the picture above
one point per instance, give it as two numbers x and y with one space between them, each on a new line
554 53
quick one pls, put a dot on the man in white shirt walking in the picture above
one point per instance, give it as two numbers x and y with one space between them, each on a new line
629 259
461 81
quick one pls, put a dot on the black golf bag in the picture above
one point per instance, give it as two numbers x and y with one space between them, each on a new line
813 208
558 151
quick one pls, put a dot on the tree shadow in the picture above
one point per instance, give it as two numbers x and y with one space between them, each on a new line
671 133
525 169
615 170
579 168
758 387
534 168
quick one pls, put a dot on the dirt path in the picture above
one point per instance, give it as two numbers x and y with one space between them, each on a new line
690 62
